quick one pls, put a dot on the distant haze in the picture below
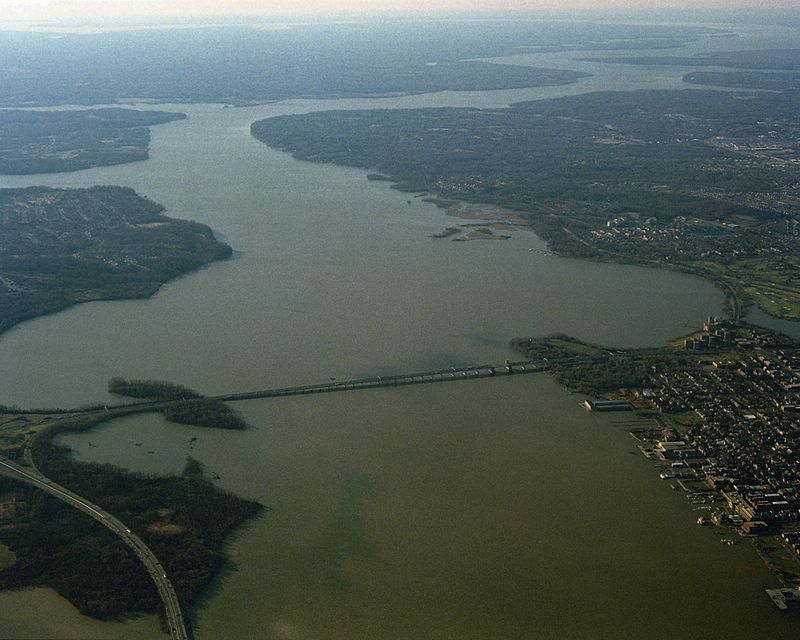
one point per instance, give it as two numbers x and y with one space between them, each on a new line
111 9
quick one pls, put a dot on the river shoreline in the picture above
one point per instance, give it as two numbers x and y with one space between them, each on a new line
339 556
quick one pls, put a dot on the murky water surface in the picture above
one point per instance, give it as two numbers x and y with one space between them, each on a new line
488 509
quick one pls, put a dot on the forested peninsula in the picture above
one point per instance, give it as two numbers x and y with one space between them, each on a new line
57 141
702 181
762 80
59 247
762 69
327 60
184 519
764 59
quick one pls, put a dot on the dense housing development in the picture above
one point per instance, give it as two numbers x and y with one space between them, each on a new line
726 403
745 441
735 413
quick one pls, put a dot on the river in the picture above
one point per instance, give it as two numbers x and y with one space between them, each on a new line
483 509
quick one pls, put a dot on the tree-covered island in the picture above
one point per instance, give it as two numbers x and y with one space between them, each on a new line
190 407
59 247
151 389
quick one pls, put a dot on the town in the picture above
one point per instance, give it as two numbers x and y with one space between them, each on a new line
718 412
734 438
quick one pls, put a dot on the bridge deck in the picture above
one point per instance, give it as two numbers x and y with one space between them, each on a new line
423 377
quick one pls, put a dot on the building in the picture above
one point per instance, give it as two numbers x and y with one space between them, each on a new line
607 405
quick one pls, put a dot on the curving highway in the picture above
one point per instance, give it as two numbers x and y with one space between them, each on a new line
166 591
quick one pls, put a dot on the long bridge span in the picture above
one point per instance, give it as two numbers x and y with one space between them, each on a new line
450 374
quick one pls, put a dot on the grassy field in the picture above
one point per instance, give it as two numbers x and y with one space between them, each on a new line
7 557
773 282
683 421
778 557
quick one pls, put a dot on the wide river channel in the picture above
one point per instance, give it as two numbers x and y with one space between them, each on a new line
474 510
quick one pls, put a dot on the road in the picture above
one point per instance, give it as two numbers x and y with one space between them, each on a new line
166 591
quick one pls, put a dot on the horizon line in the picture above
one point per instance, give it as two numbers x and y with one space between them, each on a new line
355 14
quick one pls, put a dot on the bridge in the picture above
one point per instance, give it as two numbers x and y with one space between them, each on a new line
174 616
451 374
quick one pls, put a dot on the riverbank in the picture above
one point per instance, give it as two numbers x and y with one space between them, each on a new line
713 398
666 178
61 247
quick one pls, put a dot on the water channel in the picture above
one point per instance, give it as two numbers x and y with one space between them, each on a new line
483 509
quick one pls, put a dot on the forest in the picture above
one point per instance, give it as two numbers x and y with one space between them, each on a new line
697 179
184 519
192 408
59 247
761 80
634 372
325 60
154 389
204 413
57 546
588 157
766 59
57 141
761 69
621 369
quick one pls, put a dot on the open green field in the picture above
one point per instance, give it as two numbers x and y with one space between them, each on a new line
773 282
778 557
683 421
7 557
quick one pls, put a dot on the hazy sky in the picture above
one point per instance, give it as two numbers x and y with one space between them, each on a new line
58 9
